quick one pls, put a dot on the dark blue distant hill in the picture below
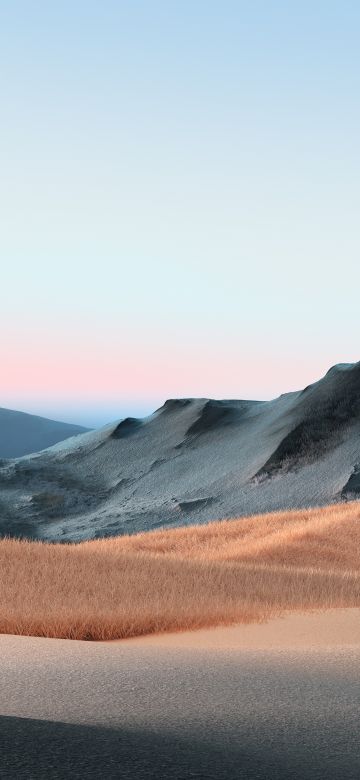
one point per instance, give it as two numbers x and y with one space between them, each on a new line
21 433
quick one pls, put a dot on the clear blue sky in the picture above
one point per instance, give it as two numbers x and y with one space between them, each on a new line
179 200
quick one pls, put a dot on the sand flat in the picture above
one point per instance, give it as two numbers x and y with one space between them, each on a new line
205 704
331 628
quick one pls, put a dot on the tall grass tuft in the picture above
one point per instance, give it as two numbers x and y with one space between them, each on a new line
230 571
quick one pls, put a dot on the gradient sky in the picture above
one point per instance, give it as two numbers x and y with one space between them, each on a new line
179 201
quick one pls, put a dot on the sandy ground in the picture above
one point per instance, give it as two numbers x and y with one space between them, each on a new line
333 628
273 702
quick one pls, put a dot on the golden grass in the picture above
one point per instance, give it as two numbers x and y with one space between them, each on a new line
226 572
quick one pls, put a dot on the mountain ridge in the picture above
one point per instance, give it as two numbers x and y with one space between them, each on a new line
192 460
22 433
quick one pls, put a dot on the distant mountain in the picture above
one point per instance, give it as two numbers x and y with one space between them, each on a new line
192 461
21 433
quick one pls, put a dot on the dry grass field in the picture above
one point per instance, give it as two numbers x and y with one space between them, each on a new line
235 571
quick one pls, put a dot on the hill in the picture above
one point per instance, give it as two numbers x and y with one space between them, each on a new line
22 434
236 571
192 461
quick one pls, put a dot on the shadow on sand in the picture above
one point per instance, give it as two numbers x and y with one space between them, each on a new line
36 749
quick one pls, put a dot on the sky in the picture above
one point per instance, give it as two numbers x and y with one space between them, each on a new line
179 201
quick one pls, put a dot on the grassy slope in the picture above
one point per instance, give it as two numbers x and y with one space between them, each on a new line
230 571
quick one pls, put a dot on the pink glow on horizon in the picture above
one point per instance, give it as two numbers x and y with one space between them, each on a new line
97 375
